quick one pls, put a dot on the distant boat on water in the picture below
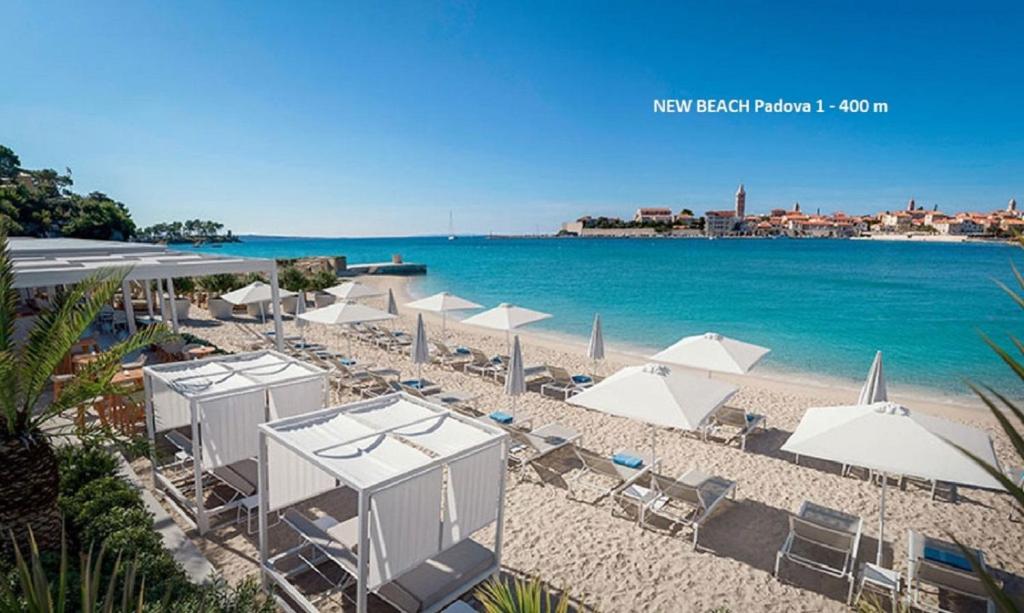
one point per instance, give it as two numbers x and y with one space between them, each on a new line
451 227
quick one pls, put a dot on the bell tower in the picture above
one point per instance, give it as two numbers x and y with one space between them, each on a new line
741 202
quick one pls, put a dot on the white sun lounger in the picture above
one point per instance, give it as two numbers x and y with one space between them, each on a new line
530 447
738 421
689 500
823 529
943 566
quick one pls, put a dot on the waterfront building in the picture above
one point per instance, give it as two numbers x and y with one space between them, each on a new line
653 215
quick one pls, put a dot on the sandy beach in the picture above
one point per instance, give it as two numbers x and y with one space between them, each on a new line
609 563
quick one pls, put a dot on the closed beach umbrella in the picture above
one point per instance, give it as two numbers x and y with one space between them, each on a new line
419 350
256 292
442 303
713 352
350 290
345 313
300 308
515 379
657 395
506 317
392 307
595 349
874 387
890 439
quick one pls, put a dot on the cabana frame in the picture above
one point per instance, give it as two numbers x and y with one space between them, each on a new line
192 508
496 438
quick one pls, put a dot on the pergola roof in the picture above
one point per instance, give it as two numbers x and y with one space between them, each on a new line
368 444
41 262
223 374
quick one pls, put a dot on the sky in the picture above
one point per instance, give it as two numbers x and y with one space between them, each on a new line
378 118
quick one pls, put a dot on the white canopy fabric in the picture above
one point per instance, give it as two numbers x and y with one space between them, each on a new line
874 389
341 313
658 395
442 303
420 350
595 348
712 352
256 292
350 290
888 438
515 378
506 317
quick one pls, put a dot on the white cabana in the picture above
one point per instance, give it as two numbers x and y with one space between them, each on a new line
506 317
889 439
427 480
350 290
657 395
258 293
209 409
712 352
443 303
51 262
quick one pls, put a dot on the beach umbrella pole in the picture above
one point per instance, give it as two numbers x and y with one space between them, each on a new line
881 523
654 457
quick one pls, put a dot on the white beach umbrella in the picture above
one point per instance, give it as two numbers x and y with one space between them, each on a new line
515 378
345 313
300 323
350 290
595 349
874 386
419 350
889 439
712 352
657 395
392 307
443 303
506 317
256 292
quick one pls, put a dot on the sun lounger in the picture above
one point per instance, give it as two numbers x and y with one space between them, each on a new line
942 566
738 421
331 540
686 501
530 447
450 359
480 364
563 384
380 387
827 532
602 476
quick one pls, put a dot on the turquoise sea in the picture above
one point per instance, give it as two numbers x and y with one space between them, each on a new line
823 306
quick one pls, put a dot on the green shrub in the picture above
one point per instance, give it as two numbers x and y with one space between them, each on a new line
322 279
80 465
293 280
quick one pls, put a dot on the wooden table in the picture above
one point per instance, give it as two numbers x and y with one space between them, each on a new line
196 353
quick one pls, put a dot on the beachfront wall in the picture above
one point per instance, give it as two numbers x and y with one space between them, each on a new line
427 480
222 400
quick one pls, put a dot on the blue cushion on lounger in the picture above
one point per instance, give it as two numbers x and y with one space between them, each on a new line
347 361
581 379
751 417
501 417
415 384
463 350
956 559
629 461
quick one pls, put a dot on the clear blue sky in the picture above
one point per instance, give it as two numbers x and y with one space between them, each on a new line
340 118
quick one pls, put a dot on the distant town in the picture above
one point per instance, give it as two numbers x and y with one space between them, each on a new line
909 223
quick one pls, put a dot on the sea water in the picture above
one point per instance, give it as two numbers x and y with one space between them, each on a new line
823 306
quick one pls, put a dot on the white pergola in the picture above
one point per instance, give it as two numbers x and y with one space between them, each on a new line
427 479
50 262
222 399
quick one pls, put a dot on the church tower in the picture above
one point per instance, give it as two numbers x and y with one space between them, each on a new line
1011 207
911 205
741 202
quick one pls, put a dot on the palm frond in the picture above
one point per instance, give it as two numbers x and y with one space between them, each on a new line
1011 432
994 589
8 315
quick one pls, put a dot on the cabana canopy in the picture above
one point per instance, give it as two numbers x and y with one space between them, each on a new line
427 479
222 400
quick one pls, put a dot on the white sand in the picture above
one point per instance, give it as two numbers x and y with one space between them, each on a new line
611 564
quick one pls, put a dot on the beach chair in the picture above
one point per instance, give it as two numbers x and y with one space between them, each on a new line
379 386
479 364
534 375
944 567
825 533
329 540
448 358
737 421
602 476
690 500
528 448
563 384
390 341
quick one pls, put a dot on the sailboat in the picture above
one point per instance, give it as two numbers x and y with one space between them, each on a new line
451 227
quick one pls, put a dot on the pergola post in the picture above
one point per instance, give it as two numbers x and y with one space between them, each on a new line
264 504
149 298
174 306
202 523
147 386
275 300
129 308
160 304
499 528
363 550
